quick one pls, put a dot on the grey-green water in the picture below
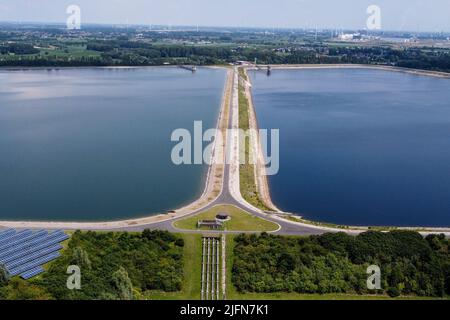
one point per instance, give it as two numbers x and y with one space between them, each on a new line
94 144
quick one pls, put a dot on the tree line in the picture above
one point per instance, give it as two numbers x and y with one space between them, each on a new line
113 266
124 52
337 263
17 48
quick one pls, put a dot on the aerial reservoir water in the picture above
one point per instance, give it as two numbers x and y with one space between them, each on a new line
359 146
94 144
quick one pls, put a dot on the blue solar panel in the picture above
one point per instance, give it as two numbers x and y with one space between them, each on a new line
24 247
7 236
22 239
57 233
7 233
46 242
20 233
62 237
33 242
17 236
31 273
2 231
33 264
37 238
37 254
23 253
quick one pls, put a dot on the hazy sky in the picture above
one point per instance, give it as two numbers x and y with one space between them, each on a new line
414 15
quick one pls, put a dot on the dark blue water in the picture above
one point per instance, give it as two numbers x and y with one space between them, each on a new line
359 146
94 144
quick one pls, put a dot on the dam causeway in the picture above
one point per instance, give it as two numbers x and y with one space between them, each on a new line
229 194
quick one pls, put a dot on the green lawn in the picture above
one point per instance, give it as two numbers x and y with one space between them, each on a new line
240 220
69 51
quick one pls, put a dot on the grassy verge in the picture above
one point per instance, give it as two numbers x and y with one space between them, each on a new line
192 260
302 296
231 293
240 220
243 74
248 187
295 218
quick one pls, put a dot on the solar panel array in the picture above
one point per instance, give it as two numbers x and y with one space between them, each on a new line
24 252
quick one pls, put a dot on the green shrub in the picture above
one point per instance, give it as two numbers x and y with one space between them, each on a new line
393 292
337 263
115 264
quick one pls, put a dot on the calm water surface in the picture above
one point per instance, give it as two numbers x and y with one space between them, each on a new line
94 144
359 146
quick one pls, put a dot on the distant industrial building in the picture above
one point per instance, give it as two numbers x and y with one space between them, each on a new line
349 36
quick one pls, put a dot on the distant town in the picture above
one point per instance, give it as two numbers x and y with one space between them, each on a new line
24 45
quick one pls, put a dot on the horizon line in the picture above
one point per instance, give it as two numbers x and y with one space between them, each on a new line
273 28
